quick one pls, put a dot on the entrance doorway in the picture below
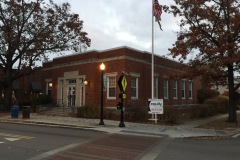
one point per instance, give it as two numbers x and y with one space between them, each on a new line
71 92
71 96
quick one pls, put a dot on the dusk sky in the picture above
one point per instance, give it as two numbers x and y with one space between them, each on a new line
115 23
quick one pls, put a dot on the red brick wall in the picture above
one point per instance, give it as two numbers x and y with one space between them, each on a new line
134 62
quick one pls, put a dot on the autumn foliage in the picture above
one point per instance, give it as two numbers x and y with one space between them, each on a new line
210 33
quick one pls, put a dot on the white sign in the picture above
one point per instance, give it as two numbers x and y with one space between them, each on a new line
155 106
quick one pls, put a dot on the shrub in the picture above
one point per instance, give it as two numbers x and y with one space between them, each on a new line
137 111
206 93
170 114
195 111
209 110
41 100
88 111
175 114
112 113
220 102
203 110
224 104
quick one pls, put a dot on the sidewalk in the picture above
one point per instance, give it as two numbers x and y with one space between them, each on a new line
187 129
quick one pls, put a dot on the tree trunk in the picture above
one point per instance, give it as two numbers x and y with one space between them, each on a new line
7 98
232 114
8 90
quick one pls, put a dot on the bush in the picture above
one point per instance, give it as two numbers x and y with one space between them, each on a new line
137 111
195 111
209 110
220 102
112 113
175 114
88 112
203 110
206 93
41 100
171 114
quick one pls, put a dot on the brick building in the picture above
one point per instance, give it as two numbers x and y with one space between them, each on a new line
64 77
26 88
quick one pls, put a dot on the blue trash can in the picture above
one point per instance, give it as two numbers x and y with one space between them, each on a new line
14 111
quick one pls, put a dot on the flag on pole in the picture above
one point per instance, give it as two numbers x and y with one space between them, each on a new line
157 12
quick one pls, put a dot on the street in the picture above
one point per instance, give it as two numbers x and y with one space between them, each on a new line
202 148
21 142
29 142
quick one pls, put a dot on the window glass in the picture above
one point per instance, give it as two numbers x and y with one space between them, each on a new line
190 90
183 89
175 95
156 87
165 89
134 87
111 87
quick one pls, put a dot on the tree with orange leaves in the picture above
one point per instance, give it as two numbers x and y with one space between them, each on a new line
211 30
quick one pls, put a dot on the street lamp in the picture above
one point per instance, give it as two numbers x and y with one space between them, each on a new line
102 68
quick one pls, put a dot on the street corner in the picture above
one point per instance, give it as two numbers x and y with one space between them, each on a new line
232 133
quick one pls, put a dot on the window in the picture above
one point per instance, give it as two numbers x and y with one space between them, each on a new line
165 89
183 89
175 89
134 87
111 88
190 90
155 87
72 81
62 91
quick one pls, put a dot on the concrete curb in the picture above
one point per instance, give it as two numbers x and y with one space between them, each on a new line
44 123
181 131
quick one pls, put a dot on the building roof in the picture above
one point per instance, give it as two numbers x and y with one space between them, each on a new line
94 56
112 49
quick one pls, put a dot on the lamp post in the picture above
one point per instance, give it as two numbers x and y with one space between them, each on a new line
102 68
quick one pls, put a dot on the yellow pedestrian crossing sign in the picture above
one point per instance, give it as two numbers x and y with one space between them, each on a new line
122 83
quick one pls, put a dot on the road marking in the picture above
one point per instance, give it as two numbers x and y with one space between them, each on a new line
236 135
55 151
15 136
1 142
12 139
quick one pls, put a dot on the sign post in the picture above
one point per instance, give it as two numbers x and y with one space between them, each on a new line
122 84
155 106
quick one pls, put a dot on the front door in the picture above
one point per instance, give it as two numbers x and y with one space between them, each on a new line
71 96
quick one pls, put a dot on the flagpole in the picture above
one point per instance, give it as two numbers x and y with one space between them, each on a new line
156 12
152 94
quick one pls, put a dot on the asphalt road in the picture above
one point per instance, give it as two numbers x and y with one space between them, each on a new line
22 142
204 148
28 142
